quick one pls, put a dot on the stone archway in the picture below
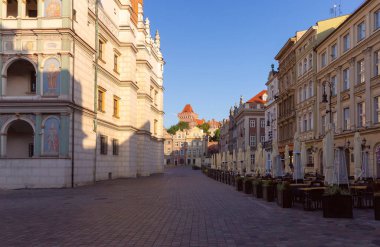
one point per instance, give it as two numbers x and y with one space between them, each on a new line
19 78
18 140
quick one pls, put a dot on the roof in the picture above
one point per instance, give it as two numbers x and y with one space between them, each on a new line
188 109
199 122
258 98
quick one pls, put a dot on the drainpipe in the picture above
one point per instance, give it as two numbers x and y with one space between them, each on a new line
96 83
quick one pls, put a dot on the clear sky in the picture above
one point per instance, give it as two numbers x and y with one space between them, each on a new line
218 50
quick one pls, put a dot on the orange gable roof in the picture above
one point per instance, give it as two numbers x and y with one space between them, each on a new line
188 109
258 98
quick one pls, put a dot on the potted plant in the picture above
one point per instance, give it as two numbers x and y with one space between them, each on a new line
284 195
257 188
268 190
337 203
239 183
247 185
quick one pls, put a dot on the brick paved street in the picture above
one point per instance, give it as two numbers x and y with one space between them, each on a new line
179 208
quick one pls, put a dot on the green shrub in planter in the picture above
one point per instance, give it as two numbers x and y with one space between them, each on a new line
376 205
284 195
257 188
247 185
239 183
268 190
337 203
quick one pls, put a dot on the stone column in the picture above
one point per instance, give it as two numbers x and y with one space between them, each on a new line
367 95
64 135
352 91
38 136
3 145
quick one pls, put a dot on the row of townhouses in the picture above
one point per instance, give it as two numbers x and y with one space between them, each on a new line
81 93
329 73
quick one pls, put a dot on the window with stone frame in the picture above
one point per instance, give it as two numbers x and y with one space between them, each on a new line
361 31
310 61
346 118
376 110
377 19
101 49
116 63
360 66
115 147
31 8
360 114
334 51
323 59
333 85
346 79
346 42
101 99
116 106
103 145
376 63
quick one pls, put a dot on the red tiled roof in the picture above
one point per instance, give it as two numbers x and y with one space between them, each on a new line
199 122
188 109
258 98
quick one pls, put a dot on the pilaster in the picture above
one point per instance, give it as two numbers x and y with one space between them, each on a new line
368 69
39 75
339 110
38 135
352 91
64 135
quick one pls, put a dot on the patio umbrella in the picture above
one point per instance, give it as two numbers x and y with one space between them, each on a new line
297 173
267 162
358 155
248 160
303 158
287 160
328 154
340 169
276 161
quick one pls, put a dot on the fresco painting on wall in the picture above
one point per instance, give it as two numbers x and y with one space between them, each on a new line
52 8
51 136
51 76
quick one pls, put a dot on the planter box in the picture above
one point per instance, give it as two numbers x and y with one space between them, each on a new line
268 192
337 206
284 198
239 184
247 186
257 190
376 206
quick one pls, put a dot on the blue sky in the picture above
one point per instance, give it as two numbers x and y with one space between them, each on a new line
218 50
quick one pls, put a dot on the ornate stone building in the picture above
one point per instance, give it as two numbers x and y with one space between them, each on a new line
81 95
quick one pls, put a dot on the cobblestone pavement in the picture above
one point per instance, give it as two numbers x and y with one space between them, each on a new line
179 208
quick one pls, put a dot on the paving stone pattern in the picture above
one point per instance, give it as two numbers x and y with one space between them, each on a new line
179 208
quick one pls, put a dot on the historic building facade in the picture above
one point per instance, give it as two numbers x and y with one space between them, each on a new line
81 95
348 85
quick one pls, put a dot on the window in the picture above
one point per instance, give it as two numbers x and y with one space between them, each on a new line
310 61
33 82
333 86
116 103
115 147
361 31
346 42
305 65
12 8
361 114
103 145
101 100
115 63
252 123
377 19
304 92
346 79
252 141
31 8
360 72
377 63
376 108
334 50
300 124
305 124
101 48
323 59
262 123
346 118
262 139
299 69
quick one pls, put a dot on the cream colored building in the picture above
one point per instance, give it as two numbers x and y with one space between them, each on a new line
72 113
348 60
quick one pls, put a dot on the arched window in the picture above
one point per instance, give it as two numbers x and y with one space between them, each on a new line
304 92
12 8
310 61
51 130
31 8
20 78
19 140
305 65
